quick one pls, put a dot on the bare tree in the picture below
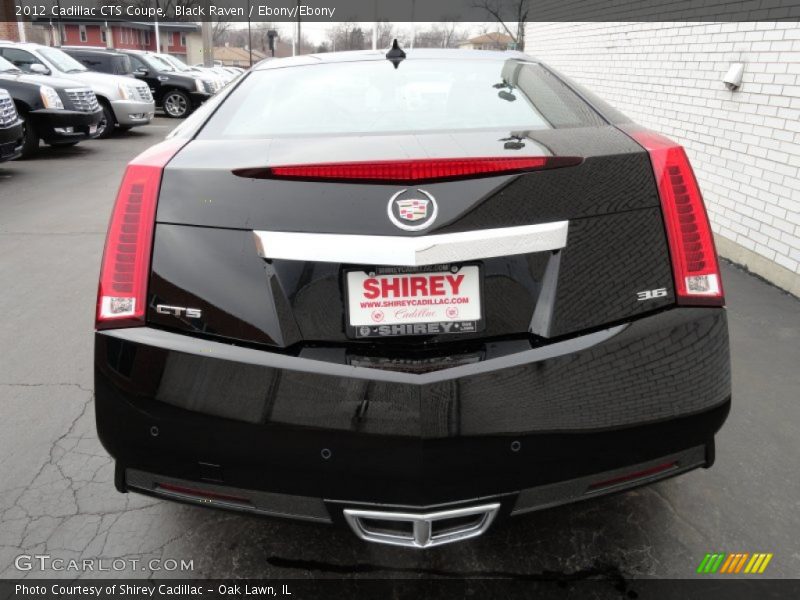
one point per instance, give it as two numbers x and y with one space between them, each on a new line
445 35
452 34
512 15
386 33
347 36
219 33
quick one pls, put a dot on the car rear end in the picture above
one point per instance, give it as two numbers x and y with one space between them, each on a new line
409 298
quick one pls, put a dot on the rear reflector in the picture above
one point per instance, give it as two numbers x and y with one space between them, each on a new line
199 494
121 295
410 171
630 477
691 242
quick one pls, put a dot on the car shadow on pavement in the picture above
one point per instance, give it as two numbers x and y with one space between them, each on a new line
61 152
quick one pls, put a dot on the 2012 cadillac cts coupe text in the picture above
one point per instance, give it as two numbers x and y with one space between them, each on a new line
410 294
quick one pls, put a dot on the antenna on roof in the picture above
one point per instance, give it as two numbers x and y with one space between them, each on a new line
395 54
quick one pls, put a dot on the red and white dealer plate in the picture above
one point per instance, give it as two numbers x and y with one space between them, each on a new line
436 297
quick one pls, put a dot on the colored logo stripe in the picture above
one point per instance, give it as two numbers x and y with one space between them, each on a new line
758 563
738 562
728 562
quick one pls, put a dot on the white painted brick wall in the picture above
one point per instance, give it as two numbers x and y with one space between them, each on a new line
744 145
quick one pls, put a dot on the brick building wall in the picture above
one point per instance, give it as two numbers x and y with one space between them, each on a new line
8 23
9 31
83 35
744 145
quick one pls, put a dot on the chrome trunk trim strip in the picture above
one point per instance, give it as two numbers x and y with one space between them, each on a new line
410 251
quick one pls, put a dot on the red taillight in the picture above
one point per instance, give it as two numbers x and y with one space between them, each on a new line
121 296
410 171
691 243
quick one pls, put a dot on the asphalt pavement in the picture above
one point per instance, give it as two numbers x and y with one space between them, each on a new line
56 490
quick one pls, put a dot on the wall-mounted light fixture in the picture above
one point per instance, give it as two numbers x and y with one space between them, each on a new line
733 78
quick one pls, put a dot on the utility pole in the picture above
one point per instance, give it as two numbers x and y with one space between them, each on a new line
375 27
208 40
413 24
249 36
157 32
58 23
299 34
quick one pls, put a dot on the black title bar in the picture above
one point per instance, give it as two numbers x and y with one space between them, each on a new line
403 10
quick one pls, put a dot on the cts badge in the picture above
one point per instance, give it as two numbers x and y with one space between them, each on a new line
412 211
179 311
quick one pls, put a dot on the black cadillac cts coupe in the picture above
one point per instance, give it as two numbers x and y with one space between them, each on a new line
409 294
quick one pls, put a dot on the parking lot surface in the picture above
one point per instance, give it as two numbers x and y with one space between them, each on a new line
56 490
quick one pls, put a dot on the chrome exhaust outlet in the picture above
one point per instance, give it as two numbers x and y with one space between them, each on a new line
426 530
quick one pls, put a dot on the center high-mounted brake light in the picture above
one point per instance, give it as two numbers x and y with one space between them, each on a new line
410 171
691 242
121 295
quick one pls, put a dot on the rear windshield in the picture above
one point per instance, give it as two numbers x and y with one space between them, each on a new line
419 96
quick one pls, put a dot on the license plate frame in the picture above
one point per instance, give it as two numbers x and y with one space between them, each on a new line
415 327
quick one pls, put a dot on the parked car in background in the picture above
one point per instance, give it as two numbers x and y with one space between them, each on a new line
60 112
225 74
125 102
11 128
219 77
102 60
408 297
176 92
235 71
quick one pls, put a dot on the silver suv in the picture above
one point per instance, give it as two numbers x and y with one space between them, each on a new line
126 101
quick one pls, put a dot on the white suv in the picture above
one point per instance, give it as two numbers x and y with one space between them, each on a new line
126 101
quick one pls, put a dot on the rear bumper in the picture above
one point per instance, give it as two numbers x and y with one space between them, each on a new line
218 495
53 125
196 410
129 113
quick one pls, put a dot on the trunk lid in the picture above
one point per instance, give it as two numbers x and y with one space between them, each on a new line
206 255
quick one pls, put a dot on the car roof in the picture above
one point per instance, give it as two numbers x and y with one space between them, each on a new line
103 51
20 44
374 55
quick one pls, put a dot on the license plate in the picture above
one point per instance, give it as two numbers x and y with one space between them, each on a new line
92 129
396 303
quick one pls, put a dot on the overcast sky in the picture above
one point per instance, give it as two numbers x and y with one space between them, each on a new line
316 32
